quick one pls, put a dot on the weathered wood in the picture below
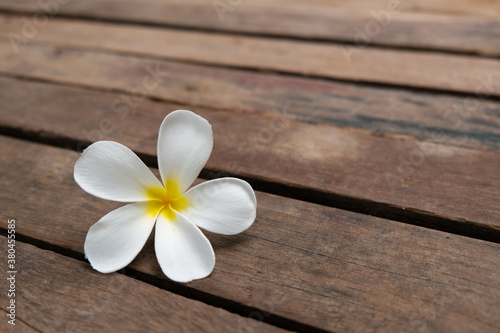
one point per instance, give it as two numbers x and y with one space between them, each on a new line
339 166
466 121
329 268
407 68
309 265
55 293
458 27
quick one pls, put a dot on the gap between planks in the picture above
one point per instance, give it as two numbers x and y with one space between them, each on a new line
422 71
346 44
152 308
371 115
389 111
412 28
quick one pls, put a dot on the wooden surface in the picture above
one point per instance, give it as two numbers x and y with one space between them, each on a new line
423 69
376 163
65 295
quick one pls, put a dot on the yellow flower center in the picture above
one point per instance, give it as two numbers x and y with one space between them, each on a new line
167 200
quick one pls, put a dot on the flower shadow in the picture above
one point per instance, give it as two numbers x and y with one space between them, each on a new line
226 242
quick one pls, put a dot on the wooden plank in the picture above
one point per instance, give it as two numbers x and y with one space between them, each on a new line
415 69
466 121
471 27
329 268
461 8
55 293
342 167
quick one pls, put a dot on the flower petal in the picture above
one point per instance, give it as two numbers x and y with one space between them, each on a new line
225 206
185 143
182 250
116 239
111 171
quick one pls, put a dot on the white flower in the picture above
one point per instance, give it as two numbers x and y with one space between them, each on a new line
111 171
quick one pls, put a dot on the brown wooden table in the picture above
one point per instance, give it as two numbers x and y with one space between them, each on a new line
369 129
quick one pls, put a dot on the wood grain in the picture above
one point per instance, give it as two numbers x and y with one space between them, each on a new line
20 325
403 125
465 26
407 68
60 294
334 166
466 121
329 268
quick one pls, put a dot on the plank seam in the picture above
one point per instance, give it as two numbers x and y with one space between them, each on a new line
274 36
299 118
179 289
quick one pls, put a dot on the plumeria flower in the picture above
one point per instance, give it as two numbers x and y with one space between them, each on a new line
111 171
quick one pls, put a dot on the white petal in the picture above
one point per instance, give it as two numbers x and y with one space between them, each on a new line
225 206
185 143
111 171
183 252
114 241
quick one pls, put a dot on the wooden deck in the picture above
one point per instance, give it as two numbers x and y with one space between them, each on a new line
371 134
